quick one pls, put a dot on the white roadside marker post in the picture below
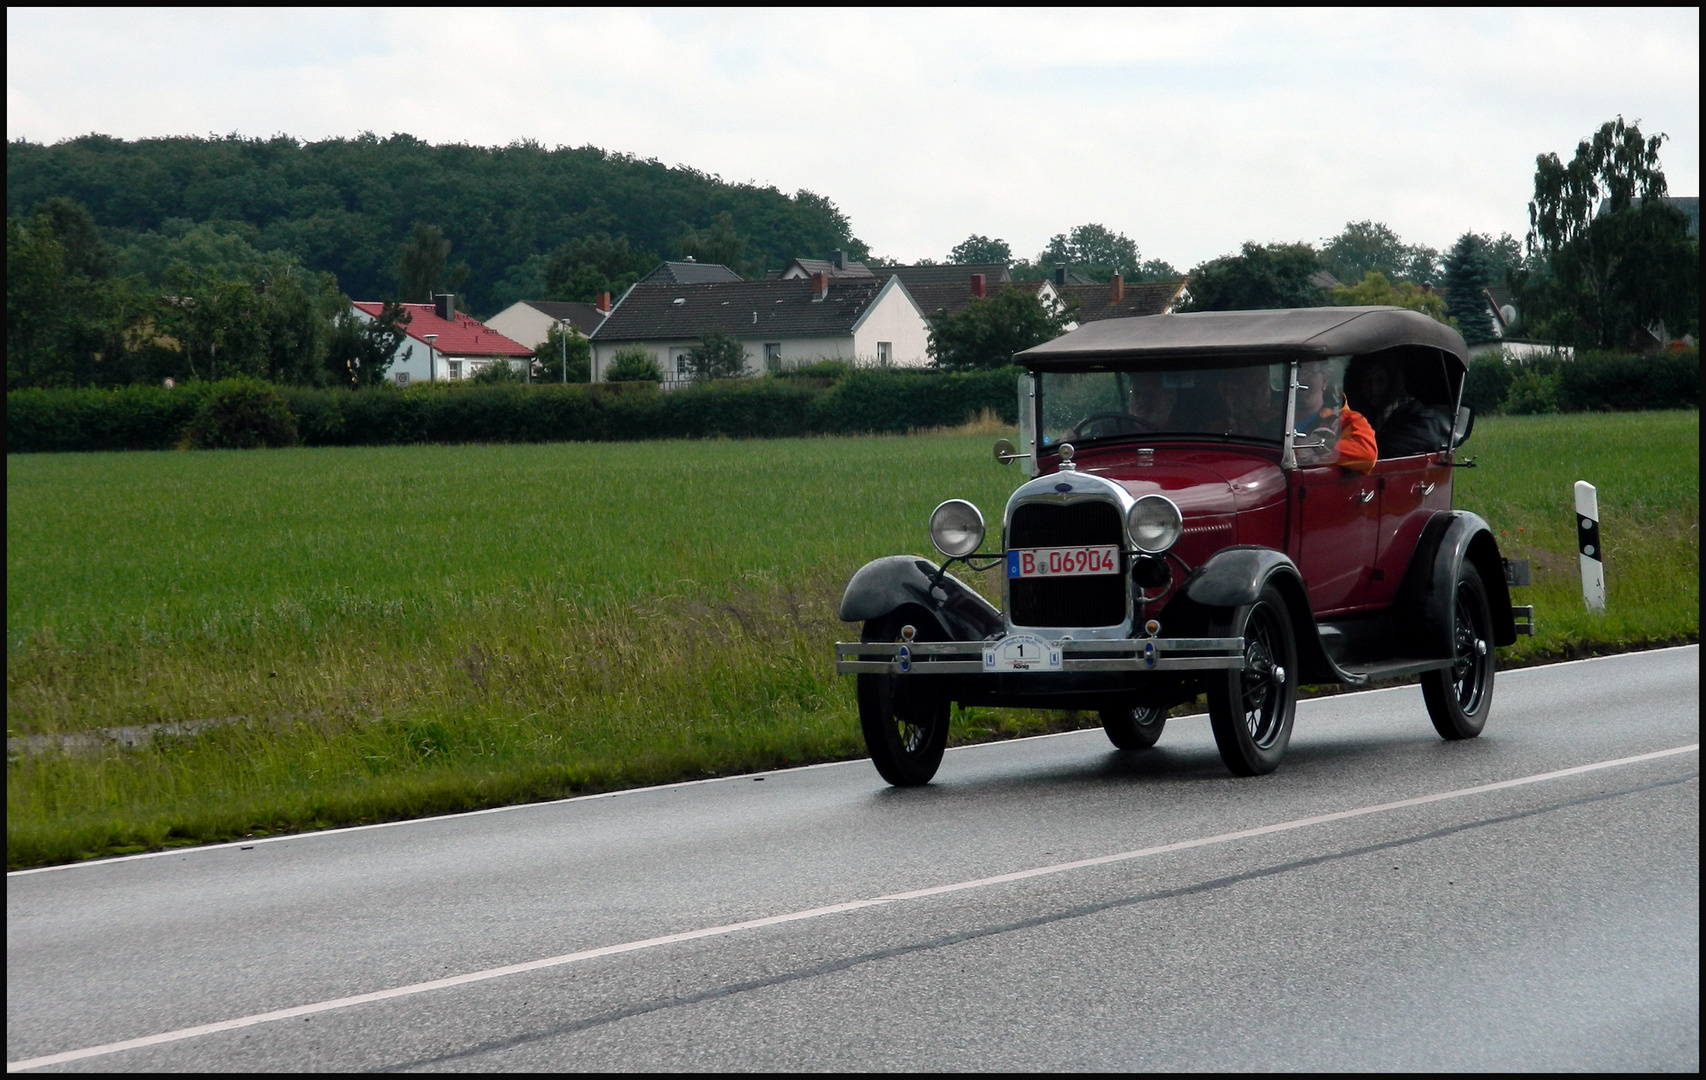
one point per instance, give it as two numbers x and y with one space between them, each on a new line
1588 546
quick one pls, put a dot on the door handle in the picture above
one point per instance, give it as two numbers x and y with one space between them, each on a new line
1365 497
1424 489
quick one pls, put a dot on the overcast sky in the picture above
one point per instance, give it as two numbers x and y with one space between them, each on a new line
1188 131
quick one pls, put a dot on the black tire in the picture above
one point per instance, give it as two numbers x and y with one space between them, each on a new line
1134 729
1252 710
1460 697
905 722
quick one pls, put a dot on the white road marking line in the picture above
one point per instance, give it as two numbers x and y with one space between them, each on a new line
253 841
814 913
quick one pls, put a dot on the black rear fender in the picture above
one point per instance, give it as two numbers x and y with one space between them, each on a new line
1424 606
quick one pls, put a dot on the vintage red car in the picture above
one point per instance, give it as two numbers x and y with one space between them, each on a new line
1206 516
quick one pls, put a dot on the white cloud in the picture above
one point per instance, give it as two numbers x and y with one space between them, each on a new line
1189 131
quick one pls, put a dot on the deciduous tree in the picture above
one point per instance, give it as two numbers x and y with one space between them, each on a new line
717 356
1619 260
981 249
1259 276
988 331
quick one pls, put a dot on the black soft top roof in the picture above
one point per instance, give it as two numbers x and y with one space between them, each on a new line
1215 338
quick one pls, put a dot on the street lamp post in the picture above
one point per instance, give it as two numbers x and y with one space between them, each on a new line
563 340
432 358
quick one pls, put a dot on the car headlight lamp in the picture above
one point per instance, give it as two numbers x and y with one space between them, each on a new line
1154 524
956 528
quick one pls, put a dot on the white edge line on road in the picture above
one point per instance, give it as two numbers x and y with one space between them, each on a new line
814 913
254 841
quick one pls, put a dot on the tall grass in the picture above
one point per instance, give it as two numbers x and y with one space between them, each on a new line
412 630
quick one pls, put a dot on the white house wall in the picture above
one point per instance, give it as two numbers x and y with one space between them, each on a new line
796 351
893 318
522 324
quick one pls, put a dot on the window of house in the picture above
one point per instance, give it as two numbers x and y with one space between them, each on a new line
773 356
885 353
678 359
455 369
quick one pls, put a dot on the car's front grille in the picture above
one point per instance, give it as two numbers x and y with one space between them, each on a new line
1098 600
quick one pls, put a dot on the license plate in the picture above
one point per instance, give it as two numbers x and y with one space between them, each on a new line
1063 562
1022 652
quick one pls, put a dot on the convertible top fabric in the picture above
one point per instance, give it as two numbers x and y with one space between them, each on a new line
1214 338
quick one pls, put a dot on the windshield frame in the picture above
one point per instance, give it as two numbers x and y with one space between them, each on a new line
1048 441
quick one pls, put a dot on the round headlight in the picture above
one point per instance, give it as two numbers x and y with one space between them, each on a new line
1155 523
956 528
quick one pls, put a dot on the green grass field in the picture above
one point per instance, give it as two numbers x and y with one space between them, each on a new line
415 630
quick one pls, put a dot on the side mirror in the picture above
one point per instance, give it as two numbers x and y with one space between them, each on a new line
1461 429
1006 453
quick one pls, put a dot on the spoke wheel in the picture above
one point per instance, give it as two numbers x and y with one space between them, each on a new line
904 718
1134 729
1460 697
1252 710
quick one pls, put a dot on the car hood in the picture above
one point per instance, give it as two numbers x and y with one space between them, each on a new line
1201 483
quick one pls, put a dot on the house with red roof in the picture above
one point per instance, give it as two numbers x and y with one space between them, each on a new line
443 344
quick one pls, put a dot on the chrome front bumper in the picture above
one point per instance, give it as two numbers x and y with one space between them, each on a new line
966 657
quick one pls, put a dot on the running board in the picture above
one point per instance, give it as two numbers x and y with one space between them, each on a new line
1394 669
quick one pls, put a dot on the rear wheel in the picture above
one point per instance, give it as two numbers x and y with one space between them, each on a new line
1460 697
1134 729
1252 710
904 719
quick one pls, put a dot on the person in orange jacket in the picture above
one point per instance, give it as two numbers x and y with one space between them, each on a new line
1321 408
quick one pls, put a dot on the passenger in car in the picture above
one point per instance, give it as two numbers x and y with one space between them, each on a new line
1321 408
1403 425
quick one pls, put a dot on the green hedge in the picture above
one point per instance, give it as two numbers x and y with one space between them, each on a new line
1592 382
154 418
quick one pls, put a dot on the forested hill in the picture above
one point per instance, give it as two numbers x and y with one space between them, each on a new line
526 221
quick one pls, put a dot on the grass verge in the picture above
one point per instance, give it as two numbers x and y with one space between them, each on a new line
418 630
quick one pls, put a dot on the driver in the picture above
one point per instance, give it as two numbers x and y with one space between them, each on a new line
1253 408
1151 400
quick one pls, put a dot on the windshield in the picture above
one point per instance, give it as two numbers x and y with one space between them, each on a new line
1246 402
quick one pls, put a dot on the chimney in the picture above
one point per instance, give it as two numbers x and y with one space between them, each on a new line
1116 290
603 302
444 306
820 285
1060 273
838 259
977 284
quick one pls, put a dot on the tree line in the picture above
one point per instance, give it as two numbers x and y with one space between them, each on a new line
1607 264
195 258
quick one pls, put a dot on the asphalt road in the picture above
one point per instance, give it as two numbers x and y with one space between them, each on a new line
1550 923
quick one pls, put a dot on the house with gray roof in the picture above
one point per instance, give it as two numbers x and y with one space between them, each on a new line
688 272
948 287
782 323
530 321
838 265
1120 299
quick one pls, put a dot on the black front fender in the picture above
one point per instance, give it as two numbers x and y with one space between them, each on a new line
1236 576
884 585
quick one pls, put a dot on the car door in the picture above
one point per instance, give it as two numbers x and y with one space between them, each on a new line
1333 543
1409 490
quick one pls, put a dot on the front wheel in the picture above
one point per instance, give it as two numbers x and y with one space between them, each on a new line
1460 697
1252 710
1134 729
904 722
